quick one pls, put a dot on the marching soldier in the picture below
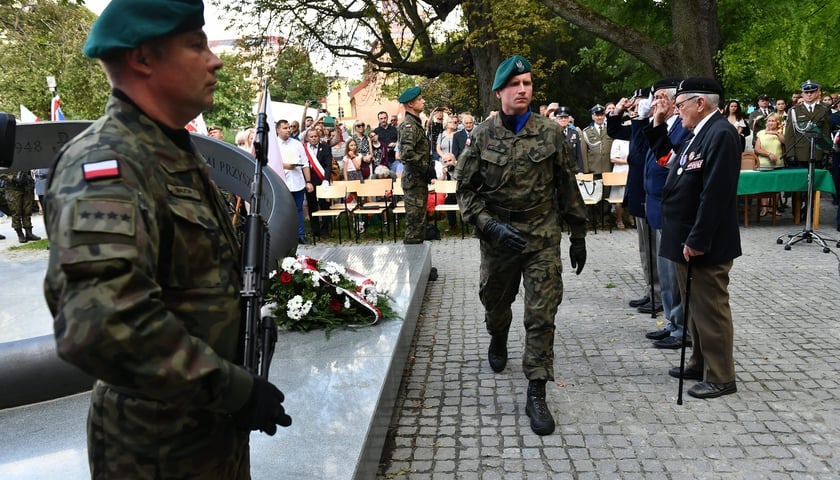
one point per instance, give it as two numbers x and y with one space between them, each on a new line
516 175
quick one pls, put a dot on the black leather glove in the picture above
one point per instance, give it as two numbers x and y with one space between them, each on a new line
504 235
264 409
577 254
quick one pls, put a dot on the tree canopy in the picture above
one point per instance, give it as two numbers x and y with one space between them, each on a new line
637 40
44 38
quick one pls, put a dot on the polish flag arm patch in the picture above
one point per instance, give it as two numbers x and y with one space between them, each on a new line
101 169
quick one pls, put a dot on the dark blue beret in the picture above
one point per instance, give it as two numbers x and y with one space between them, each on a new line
515 65
700 85
409 94
669 82
641 92
810 86
125 24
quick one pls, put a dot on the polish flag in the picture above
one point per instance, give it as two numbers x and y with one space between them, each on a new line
275 160
102 169
55 109
26 116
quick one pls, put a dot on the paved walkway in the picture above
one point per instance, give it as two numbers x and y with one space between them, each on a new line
614 403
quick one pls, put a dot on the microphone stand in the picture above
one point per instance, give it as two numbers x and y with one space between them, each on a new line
807 233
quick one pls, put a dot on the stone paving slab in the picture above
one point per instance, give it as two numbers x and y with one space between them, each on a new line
614 403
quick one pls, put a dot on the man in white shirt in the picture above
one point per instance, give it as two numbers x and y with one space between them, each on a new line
296 169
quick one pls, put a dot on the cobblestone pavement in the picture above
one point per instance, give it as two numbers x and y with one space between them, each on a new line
614 403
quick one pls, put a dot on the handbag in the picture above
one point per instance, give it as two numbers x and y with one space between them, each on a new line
591 191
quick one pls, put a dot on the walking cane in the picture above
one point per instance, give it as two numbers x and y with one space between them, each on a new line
651 238
685 327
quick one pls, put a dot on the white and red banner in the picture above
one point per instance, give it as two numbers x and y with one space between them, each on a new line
26 115
197 125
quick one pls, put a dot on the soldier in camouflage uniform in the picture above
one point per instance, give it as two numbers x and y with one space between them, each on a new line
415 152
515 179
143 278
20 199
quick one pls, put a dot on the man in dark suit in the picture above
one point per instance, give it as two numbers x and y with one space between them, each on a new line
634 192
758 118
320 161
461 136
700 225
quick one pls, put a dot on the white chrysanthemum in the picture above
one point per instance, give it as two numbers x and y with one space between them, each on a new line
272 274
346 302
314 277
296 309
290 265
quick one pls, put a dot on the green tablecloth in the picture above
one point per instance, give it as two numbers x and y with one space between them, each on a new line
783 180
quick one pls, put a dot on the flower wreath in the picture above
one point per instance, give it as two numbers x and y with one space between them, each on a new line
308 294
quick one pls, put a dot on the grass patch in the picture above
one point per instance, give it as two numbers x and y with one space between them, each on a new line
42 244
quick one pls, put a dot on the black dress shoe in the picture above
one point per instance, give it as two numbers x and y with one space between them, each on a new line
497 353
640 301
659 334
647 308
671 342
688 373
712 390
302 241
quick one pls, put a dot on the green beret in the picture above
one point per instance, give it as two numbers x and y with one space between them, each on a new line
125 24
409 94
514 65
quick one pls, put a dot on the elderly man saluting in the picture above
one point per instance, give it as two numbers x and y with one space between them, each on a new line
515 180
144 275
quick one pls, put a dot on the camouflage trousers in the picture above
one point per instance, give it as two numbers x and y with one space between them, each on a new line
130 437
416 198
21 203
541 274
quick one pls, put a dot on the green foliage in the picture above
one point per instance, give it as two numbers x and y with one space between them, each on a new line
772 47
294 79
44 38
234 97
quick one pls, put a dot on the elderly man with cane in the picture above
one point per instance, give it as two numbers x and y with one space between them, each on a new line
700 226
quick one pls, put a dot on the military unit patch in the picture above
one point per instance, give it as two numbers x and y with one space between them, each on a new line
101 169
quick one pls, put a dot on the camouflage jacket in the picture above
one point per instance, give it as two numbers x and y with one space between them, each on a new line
415 150
143 278
530 171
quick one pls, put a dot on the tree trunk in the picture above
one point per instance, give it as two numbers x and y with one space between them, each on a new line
695 36
483 48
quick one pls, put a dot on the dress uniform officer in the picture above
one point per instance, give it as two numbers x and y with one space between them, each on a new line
810 112
143 279
572 134
514 179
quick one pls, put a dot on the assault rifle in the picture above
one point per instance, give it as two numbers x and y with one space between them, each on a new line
260 332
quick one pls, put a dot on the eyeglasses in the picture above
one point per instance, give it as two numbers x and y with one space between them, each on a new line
679 105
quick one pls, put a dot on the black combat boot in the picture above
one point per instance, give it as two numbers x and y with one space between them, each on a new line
542 423
21 236
497 353
31 236
2 237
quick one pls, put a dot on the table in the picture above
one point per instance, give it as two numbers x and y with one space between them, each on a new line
787 180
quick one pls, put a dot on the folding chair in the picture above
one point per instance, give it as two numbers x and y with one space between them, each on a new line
448 187
332 194
397 206
614 179
366 203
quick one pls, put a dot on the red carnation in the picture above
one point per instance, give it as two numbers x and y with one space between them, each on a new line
285 278
335 305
